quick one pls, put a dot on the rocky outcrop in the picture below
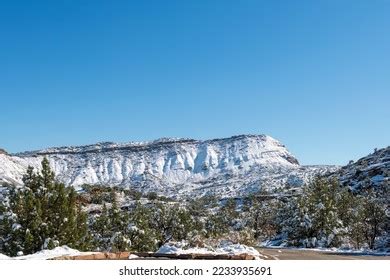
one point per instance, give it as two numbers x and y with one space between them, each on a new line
370 171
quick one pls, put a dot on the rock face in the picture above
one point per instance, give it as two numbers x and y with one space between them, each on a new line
370 171
172 167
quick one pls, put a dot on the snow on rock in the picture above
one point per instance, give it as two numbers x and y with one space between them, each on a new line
238 249
171 166
178 249
132 257
227 248
49 254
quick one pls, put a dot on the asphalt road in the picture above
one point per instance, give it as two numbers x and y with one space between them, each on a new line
294 254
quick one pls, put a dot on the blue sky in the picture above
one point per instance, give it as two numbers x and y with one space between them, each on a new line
313 74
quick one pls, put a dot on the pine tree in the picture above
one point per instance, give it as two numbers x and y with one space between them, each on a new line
317 220
42 214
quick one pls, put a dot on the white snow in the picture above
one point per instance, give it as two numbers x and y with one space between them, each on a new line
371 169
16 227
132 256
238 249
179 248
49 254
4 257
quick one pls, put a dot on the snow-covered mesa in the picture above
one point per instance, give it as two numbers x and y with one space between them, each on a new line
172 167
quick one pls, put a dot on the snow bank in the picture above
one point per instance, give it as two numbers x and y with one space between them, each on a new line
179 248
175 248
238 249
48 254
4 257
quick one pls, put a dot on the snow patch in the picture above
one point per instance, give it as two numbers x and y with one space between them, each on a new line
4 257
227 248
53 253
132 256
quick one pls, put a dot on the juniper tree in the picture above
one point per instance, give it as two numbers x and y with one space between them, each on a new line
215 225
374 218
142 234
109 229
260 216
119 222
100 230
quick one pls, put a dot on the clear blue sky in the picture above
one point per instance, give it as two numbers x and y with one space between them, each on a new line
313 74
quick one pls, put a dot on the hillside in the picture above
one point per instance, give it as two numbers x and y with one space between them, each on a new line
370 171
